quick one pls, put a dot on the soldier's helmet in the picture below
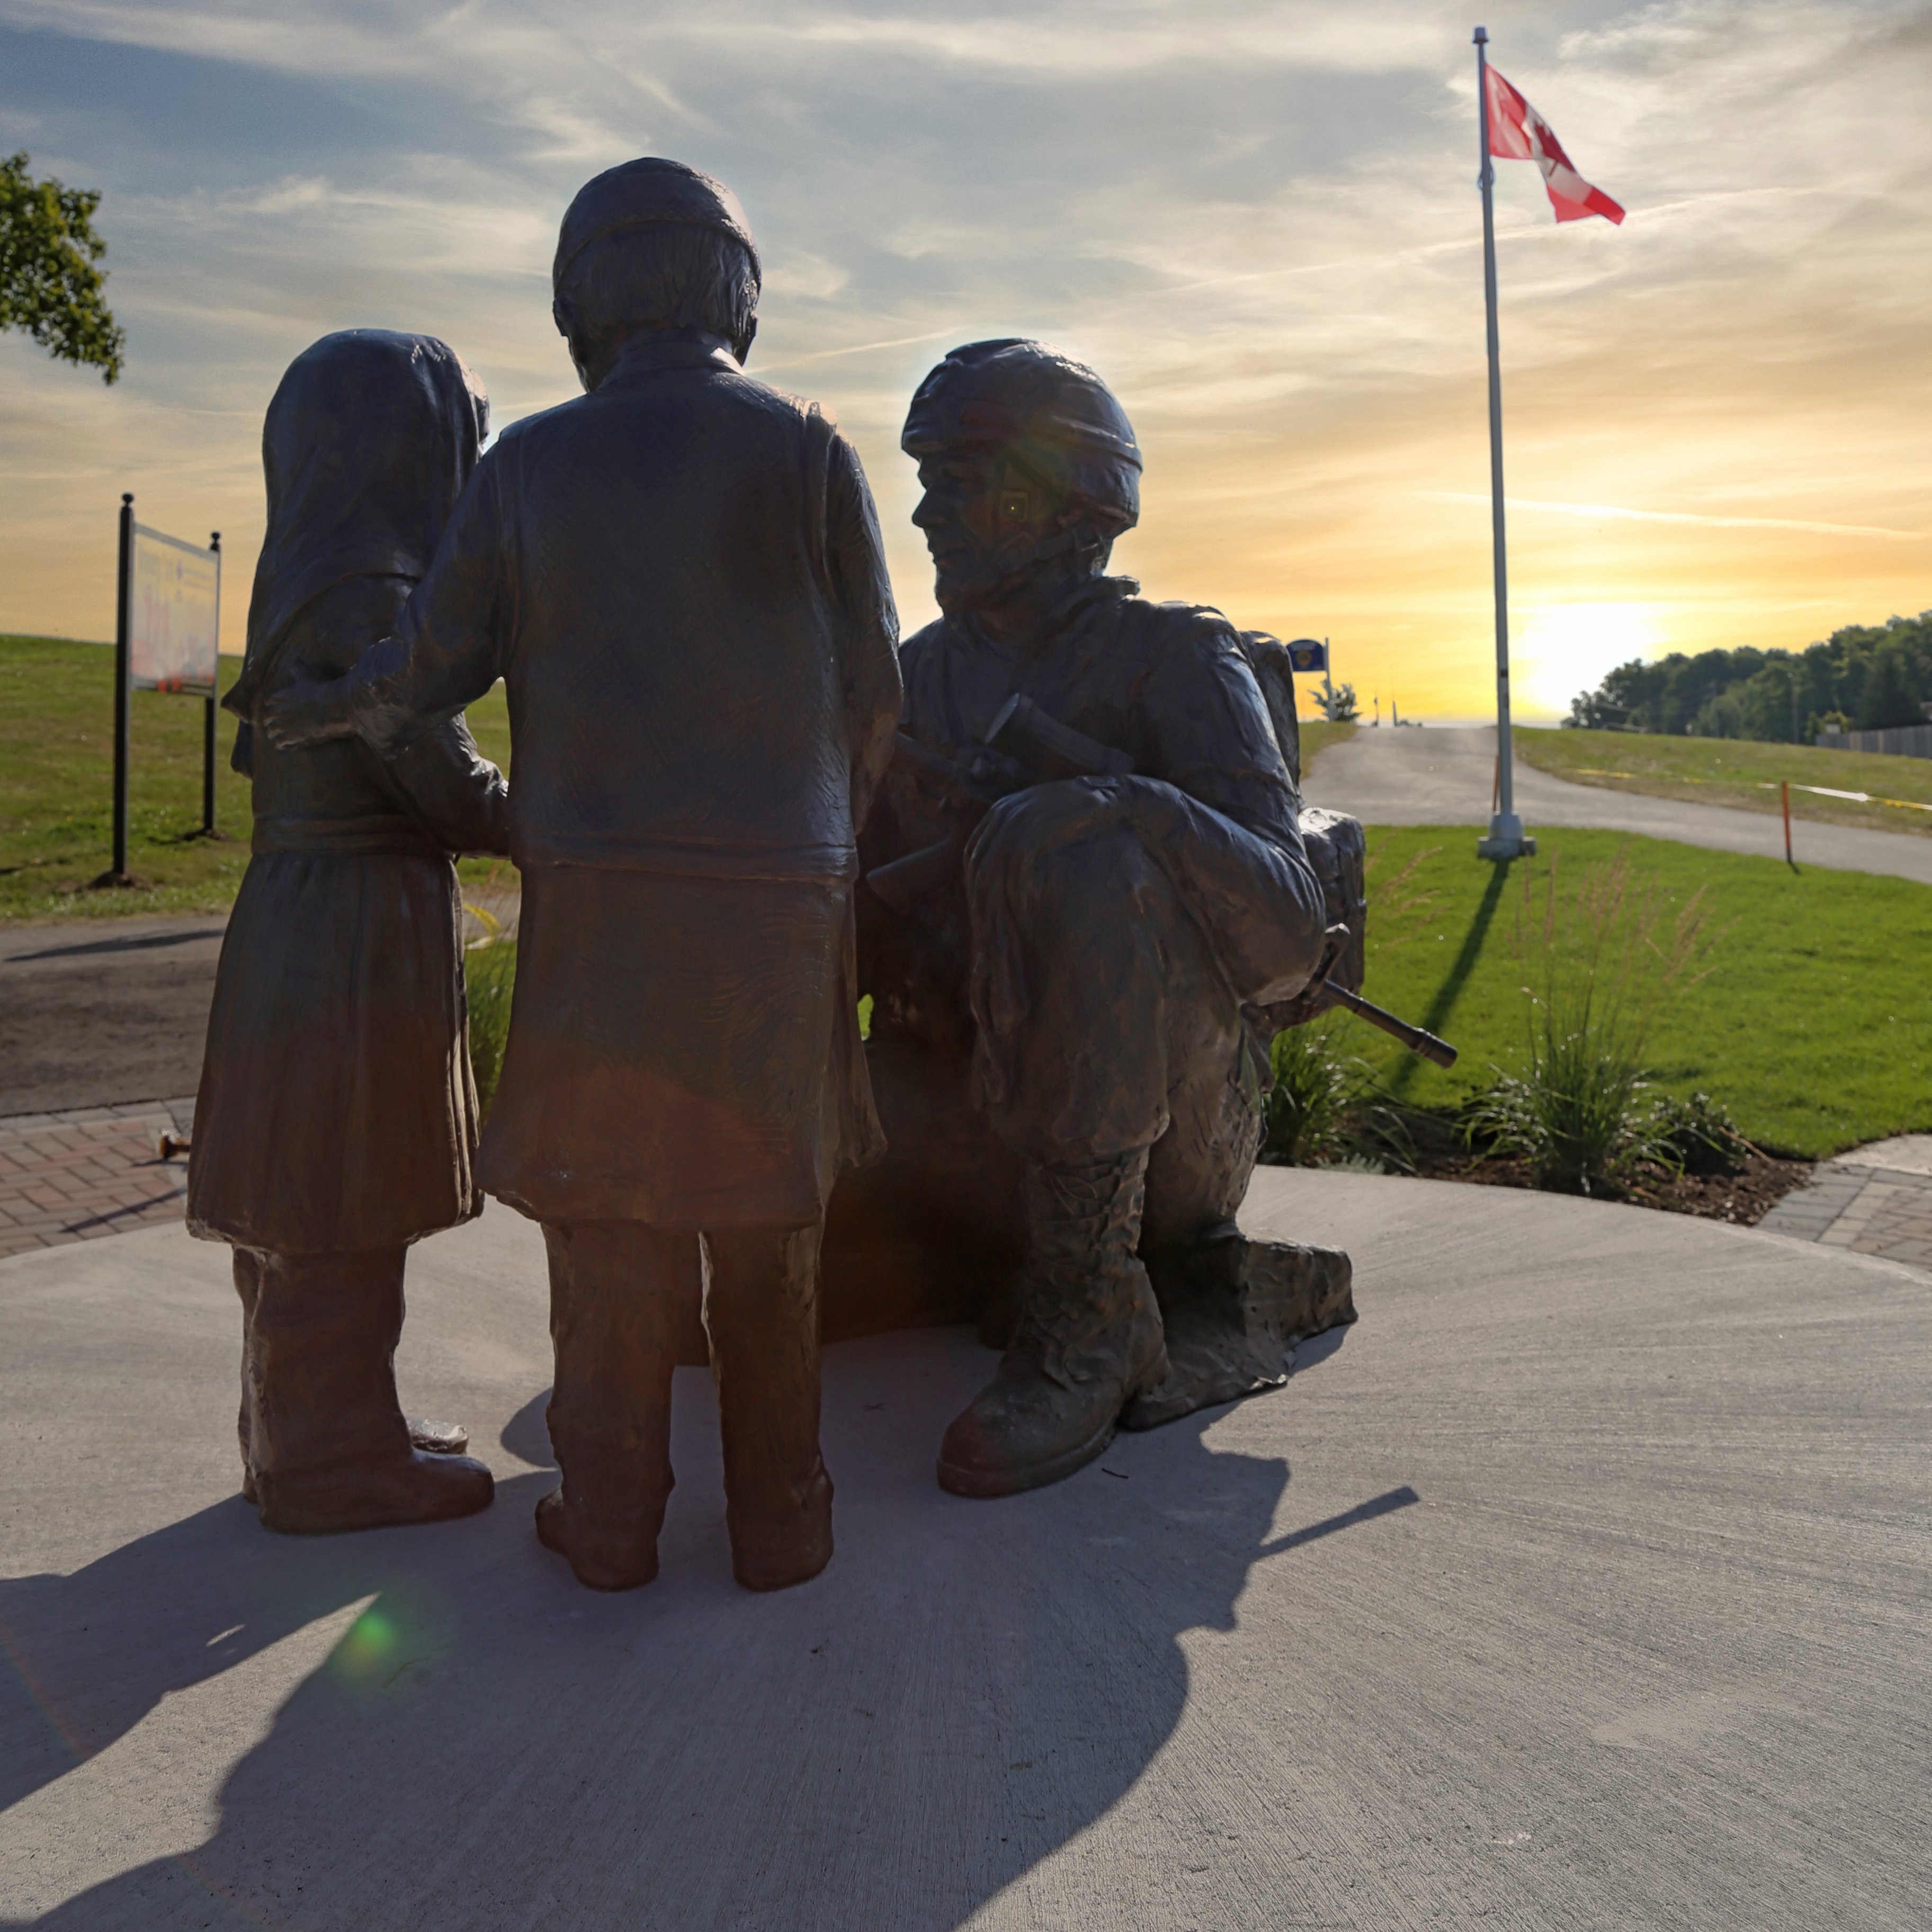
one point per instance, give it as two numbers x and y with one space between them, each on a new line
1053 415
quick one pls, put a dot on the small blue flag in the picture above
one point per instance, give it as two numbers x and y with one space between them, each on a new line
1308 654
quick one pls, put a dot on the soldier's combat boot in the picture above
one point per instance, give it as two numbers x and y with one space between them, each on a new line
327 1447
1088 1340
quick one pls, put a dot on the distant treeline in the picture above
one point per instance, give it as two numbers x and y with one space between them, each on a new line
1862 678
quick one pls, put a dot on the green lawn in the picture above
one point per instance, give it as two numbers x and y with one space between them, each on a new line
1812 1022
1739 772
56 788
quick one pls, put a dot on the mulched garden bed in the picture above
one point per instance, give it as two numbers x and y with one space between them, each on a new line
1744 1197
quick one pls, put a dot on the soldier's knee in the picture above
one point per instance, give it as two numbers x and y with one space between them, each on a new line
1050 845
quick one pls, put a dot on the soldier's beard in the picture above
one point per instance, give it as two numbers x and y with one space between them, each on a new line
973 580
959 587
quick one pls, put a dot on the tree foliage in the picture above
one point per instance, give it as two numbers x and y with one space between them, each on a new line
50 286
1873 675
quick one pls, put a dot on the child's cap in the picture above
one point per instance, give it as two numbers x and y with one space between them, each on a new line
646 194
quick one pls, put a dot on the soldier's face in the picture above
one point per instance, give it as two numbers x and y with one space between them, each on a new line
975 501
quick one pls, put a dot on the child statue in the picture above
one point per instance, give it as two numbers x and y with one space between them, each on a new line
678 577
336 1121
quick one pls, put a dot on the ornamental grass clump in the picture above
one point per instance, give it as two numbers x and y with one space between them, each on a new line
1598 966
489 982
1313 1083
1326 1109
489 971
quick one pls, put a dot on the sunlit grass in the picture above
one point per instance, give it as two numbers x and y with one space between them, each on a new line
57 789
1811 1021
1740 772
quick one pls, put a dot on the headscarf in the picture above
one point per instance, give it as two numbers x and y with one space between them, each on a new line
367 443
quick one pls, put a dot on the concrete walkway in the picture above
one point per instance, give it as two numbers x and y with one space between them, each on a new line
1583 1584
1428 775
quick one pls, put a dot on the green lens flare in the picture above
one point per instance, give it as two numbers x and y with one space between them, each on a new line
370 1639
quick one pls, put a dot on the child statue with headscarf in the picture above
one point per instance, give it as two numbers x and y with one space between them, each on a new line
336 1121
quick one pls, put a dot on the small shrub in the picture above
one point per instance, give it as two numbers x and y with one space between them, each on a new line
1574 1118
1697 1135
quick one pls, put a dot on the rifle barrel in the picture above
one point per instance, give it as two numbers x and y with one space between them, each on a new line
1439 1051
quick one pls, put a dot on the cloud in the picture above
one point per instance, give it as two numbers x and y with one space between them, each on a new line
1257 220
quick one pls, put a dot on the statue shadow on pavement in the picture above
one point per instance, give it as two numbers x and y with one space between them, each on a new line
968 1687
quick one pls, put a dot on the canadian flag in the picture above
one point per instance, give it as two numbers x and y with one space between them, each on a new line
1517 132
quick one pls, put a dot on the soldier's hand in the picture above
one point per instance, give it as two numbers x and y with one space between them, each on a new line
1316 997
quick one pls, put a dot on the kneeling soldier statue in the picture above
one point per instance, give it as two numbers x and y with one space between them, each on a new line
1089 900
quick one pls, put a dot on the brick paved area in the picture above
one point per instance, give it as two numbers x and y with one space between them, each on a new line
1872 1210
74 1177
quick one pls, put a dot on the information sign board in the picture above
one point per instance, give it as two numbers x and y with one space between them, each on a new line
174 608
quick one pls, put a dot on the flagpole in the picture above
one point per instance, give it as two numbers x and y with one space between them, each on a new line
1505 839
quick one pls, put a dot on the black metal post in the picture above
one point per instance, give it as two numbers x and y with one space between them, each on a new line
208 721
123 636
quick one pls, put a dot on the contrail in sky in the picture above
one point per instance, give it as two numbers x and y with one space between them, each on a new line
860 349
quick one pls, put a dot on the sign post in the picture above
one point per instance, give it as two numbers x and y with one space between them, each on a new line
207 717
166 637
1311 654
117 873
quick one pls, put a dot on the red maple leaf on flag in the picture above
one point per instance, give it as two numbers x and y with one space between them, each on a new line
1517 132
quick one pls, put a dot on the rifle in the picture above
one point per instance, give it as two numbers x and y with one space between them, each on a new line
1438 1052
1025 746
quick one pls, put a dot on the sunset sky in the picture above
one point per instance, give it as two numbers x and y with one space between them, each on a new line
1258 221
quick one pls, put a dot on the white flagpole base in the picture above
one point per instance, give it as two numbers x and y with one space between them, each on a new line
1507 839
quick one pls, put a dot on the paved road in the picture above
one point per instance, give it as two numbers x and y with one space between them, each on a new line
101 1012
1582 1584
95 1012
1428 775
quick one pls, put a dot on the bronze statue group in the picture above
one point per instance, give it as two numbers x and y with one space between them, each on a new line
1096 898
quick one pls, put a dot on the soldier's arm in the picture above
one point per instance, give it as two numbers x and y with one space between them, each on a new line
1223 819
1211 734
445 651
856 562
